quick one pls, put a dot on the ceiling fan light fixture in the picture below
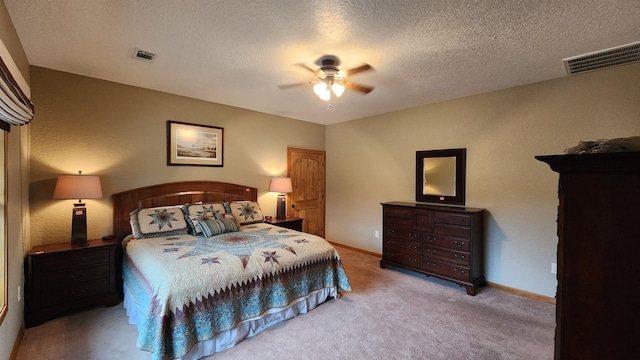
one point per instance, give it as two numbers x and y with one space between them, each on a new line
320 88
337 89
329 79
325 95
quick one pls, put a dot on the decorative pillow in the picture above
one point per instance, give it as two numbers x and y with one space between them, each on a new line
219 225
246 212
156 222
200 212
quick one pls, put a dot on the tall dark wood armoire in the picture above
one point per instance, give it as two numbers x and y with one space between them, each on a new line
598 295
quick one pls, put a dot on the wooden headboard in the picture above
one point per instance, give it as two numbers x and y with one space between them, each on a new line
176 193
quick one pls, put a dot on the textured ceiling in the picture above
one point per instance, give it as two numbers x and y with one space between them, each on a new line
238 52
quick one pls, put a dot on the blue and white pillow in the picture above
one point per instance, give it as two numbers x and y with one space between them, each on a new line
201 212
219 225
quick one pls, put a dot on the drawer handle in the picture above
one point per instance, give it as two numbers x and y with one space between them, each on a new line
459 272
461 257
431 265
78 293
413 236
412 247
390 231
432 238
77 277
458 243
431 251
79 260
413 260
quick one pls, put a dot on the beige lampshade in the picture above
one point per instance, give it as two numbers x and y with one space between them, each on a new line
78 187
280 184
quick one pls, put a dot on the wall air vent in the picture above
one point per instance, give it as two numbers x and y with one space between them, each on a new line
144 55
620 55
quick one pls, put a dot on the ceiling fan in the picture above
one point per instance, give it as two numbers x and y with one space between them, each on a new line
329 79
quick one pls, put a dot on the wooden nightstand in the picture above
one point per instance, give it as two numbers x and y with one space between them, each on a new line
290 222
64 277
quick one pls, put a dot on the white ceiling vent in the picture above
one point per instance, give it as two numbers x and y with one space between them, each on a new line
620 55
144 55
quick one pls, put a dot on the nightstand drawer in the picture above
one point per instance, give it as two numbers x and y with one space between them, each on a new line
76 292
57 279
76 259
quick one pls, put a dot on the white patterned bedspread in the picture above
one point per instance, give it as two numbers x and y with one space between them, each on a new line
192 288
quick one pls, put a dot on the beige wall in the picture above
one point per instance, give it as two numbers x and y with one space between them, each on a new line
17 199
372 160
119 132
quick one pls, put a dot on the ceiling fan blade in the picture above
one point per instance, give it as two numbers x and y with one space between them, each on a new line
289 86
306 67
357 87
362 68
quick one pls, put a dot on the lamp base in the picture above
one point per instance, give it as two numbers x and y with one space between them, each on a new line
281 209
79 226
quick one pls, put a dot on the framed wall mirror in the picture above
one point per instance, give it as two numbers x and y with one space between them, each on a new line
441 175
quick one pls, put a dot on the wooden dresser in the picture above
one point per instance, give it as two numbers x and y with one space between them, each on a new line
598 295
64 277
445 242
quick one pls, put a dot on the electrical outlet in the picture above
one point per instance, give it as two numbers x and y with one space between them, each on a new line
376 234
19 293
554 268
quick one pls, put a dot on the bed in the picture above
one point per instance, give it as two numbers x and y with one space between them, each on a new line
227 277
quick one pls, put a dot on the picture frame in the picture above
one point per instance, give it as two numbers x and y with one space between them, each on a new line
194 144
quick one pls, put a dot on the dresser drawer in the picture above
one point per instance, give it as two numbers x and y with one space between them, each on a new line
75 293
447 242
54 279
397 212
413 261
456 257
452 219
76 259
457 231
422 220
448 270
392 221
402 234
406 246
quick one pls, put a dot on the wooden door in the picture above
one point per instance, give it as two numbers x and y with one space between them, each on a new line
306 169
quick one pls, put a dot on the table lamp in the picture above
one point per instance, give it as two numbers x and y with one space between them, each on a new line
281 185
78 187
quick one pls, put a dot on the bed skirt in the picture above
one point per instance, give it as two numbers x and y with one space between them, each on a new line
245 329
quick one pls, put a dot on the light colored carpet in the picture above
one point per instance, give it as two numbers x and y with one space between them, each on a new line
391 314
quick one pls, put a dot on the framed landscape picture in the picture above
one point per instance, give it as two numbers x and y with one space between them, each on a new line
192 144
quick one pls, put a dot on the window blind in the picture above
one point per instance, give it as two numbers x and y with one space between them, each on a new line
15 106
